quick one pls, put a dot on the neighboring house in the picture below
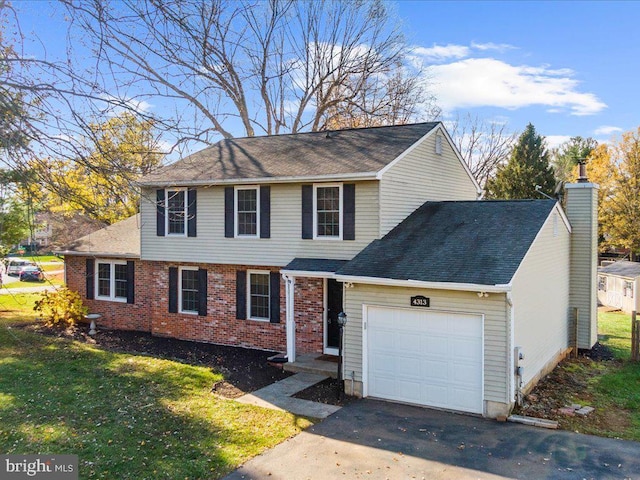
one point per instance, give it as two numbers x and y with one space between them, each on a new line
261 242
618 285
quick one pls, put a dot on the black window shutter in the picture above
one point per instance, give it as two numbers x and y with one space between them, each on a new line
229 212
131 286
192 212
90 276
307 211
274 300
349 215
160 213
265 211
173 290
202 292
241 294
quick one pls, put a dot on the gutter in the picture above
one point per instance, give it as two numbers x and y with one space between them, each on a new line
466 287
261 180
72 253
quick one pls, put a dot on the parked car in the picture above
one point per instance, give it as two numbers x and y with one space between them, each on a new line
31 273
15 265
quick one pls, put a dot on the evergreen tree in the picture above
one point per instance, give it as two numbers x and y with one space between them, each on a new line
527 167
565 158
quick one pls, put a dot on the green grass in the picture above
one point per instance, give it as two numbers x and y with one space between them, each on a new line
126 416
612 388
40 258
17 307
56 280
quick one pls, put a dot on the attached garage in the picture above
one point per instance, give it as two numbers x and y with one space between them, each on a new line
429 358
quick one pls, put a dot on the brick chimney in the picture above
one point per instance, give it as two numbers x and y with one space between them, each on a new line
582 212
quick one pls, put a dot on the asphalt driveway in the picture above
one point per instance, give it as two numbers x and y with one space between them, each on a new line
371 439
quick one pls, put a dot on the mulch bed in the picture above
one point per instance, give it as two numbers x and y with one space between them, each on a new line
245 370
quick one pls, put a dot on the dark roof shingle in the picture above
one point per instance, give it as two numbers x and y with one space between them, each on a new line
340 152
622 268
475 242
122 239
315 265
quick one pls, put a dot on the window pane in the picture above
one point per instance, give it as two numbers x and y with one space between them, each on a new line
259 295
190 298
120 274
247 212
104 279
328 212
176 211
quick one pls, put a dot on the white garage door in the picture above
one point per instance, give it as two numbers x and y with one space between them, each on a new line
424 357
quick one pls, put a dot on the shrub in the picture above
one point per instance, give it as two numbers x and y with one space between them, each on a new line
61 308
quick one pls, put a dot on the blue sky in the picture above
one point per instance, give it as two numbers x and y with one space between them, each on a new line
570 68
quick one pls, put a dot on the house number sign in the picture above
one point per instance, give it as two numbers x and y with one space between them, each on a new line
419 301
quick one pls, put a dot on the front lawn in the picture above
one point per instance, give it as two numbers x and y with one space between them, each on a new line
126 416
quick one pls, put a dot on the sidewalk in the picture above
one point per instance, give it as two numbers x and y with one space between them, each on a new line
277 396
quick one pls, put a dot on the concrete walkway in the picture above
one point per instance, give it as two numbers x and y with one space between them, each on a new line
277 396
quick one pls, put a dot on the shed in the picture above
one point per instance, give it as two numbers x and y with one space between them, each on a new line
618 285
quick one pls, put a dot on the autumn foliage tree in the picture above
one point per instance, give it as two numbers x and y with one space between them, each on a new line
100 184
528 167
616 168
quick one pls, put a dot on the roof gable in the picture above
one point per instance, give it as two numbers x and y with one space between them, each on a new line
303 155
473 242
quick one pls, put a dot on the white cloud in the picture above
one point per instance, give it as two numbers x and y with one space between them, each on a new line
607 130
482 82
499 47
438 53
554 141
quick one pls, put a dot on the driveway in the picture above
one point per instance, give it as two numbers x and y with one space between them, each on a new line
372 439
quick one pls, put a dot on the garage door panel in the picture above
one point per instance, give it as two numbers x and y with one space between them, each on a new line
428 358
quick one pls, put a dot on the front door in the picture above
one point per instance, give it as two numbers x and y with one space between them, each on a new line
333 308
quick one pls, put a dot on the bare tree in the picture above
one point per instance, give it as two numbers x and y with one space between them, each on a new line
483 144
269 66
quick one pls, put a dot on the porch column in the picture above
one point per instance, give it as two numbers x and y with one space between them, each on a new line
290 318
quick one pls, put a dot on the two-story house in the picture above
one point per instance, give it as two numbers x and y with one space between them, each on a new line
261 242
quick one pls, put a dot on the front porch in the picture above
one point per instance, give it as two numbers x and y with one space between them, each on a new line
319 364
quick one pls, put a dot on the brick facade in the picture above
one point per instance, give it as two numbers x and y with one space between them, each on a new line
150 312
309 315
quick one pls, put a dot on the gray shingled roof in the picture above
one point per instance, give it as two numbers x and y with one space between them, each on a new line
622 268
341 152
475 242
315 265
122 239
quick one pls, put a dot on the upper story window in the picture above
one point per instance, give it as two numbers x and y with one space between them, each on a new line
327 211
176 212
111 280
247 211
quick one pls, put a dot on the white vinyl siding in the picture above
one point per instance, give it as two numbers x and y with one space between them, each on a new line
493 308
419 176
541 299
582 211
285 244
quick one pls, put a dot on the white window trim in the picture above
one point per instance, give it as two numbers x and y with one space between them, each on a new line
112 280
180 310
236 223
185 213
316 186
257 272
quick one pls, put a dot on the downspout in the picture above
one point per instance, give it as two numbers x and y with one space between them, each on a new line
514 391
290 317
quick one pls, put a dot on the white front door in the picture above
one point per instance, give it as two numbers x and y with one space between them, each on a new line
425 357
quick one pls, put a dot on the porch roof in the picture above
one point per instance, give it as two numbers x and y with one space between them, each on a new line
313 266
